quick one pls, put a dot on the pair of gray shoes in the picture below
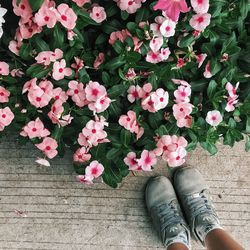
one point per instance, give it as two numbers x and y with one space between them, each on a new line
188 193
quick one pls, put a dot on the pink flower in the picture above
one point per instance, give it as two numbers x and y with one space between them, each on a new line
46 15
129 121
153 57
59 94
17 73
165 52
98 14
131 161
155 27
6 117
130 75
81 155
180 63
95 169
35 129
4 69
231 89
46 57
70 35
167 28
4 95
81 3
214 118
56 112
27 30
60 70
224 57
200 6
185 122
77 93
14 47
92 134
147 160
156 43
181 82
99 60
232 98
231 101
29 85
172 149
48 146
175 159
207 72
66 16
200 21
160 99
79 63
40 95
100 105
169 143
182 94
200 59
182 109
85 179
131 6
145 90
94 91
22 9
172 8
118 35
133 93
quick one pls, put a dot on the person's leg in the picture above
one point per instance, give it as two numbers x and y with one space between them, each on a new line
166 214
194 197
177 246
219 239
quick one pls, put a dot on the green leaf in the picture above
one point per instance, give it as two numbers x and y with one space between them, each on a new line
38 71
133 57
186 41
116 91
124 15
211 89
248 124
58 35
125 137
35 4
247 145
142 15
210 147
26 51
244 8
105 78
228 139
40 44
132 26
215 66
115 63
113 153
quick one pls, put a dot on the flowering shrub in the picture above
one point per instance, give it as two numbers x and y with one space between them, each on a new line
125 82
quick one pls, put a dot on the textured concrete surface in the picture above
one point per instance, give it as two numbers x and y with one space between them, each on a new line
45 208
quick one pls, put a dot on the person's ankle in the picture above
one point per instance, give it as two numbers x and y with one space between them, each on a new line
179 246
180 239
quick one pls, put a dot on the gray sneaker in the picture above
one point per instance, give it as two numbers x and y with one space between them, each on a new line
197 206
165 211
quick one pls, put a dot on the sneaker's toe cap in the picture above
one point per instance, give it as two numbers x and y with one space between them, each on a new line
188 180
159 190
